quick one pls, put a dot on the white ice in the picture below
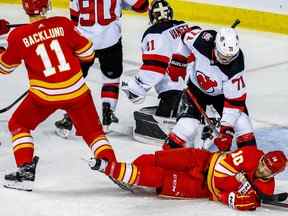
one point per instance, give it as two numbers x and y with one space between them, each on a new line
66 186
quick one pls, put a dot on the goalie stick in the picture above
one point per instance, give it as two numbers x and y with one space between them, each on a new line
5 109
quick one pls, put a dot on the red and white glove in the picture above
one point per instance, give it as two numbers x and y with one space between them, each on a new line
235 200
177 67
4 28
224 140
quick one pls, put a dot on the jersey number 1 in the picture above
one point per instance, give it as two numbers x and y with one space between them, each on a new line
49 69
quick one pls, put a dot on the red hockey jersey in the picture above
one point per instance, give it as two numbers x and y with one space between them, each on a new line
50 49
224 167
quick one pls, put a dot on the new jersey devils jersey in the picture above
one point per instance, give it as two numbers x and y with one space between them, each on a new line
224 167
51 49
213 78
99 20
159 42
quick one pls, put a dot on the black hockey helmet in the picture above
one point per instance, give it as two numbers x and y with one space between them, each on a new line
160 10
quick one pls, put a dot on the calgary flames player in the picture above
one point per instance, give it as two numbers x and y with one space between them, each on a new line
100 22
51 49
235 179
216 78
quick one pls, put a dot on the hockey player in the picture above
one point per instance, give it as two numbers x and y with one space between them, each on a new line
159 42
236 179
51 49
100 22
217 78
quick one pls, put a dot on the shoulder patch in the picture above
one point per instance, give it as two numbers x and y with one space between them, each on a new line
204 43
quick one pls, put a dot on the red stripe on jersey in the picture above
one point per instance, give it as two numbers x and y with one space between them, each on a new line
236 103
153 68
109 95
155 57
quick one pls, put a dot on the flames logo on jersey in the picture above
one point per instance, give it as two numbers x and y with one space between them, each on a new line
205 82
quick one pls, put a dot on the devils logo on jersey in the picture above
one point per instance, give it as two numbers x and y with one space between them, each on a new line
205 82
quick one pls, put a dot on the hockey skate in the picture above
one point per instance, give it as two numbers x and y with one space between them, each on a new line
23 178
108 117
100 165
64 127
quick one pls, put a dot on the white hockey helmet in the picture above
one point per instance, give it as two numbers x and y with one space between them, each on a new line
226 45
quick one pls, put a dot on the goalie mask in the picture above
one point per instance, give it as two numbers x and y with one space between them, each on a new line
226 45
160 10
36 7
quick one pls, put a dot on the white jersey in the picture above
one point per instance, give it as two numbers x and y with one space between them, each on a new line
159 42
100 20
213 78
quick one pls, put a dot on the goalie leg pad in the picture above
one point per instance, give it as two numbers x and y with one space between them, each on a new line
150 128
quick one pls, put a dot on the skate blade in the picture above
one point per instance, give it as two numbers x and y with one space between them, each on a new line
22 186
63 133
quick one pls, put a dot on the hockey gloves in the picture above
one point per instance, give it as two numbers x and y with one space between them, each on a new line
4 28
224 140
177 67
235 200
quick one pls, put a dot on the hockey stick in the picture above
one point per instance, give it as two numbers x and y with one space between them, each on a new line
15 102
235 23
280 197
284 205
201 110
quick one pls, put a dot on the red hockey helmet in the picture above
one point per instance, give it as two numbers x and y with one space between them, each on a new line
35 7
276 161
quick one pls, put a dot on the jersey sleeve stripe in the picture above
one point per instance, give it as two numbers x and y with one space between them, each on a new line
210 178
156 57
228 166
236 103
84 49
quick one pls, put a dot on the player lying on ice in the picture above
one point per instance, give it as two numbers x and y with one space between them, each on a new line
236 179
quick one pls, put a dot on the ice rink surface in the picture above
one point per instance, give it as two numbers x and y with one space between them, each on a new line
66 186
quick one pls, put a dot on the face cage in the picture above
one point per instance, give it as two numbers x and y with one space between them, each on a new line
224 59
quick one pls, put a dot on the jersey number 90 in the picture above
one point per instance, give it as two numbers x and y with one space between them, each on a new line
105 12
